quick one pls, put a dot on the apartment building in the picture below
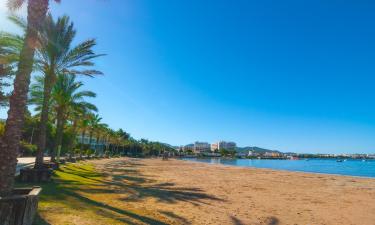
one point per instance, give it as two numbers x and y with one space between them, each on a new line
223 145
200 147
189 147
93 144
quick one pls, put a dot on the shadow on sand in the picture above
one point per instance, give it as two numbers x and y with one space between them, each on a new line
120 177
268 221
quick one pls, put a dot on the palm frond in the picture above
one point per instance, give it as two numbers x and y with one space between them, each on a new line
15 4
19 21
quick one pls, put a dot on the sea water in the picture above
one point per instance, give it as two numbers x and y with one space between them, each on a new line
351 167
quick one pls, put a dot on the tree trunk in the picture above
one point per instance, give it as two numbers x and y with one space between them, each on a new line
59 133
71 144
82 142
90 137
48 85
97 141
10 141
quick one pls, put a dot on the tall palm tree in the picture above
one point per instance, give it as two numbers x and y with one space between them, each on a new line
10 141
84 124
10 48
64 97
57 56
94 122
76 113
100 132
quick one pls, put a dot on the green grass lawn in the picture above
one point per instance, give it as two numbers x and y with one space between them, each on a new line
79 195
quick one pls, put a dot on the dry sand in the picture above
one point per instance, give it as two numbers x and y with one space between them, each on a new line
183 192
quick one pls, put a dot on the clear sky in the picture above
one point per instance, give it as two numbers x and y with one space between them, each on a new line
286 75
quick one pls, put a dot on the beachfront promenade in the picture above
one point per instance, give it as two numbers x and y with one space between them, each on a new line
27 162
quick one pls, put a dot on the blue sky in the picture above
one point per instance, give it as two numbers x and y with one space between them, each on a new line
287 75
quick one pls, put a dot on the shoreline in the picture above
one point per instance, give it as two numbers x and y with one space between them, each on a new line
204 193
282 170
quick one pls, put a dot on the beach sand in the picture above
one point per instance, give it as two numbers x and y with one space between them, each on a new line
183 192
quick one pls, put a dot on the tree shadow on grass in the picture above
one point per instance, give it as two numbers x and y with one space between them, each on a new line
67 191
38 220
126 213
72 182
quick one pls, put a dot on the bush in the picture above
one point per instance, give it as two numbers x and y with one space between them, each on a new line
27 149
89 152
2 128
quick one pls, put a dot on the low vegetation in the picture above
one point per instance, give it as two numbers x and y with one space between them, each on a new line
81 195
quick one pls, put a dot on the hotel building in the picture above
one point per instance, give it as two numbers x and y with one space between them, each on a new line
223 145
200 147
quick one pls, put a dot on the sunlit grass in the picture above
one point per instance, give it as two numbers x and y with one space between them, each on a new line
78 195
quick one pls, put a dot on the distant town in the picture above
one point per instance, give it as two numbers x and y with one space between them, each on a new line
230 149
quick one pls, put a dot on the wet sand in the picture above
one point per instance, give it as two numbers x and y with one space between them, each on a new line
182 192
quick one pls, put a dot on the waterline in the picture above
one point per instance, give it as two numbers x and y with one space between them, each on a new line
350 167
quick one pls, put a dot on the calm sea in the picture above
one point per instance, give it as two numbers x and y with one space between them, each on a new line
350 167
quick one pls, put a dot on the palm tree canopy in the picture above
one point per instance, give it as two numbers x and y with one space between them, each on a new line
66 93
56 54
16 4
10 49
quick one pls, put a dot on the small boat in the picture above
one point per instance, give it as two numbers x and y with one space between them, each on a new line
339 160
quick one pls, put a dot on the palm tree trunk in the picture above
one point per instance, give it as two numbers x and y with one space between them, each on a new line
9 143
48 84
90 137
71 144
97 141
59 133
82 142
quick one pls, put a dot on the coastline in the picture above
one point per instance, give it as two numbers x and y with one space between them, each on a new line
282 170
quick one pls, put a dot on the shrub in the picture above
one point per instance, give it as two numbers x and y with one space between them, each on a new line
27 149
2 128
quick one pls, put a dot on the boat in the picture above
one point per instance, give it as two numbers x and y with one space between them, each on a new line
339 160
293 158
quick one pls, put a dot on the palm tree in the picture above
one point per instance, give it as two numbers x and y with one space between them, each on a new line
100 129
10 48
56 56
76 113
10 141
65 96
94 122
84 125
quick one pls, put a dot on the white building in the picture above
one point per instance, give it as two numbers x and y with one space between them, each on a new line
214 147
189 147
200 147
93 143
223 145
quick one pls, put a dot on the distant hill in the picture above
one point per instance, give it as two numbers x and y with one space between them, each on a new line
255 149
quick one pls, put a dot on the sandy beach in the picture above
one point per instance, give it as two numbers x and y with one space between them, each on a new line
185 192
